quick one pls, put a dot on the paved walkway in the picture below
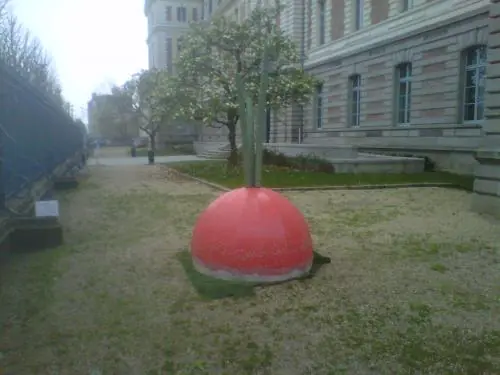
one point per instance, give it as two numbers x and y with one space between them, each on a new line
141 160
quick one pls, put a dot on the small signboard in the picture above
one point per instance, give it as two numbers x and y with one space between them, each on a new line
47 208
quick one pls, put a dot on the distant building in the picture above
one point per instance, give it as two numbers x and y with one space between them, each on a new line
168 20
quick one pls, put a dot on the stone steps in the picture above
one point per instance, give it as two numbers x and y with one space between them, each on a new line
217 153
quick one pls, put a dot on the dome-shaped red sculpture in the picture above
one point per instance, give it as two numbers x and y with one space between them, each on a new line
252 234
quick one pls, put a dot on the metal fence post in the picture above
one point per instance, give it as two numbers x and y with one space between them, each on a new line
2 180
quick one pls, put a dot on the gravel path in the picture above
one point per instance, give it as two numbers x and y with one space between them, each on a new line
412 288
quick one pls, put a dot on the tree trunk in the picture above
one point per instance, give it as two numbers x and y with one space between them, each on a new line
233 156
152 148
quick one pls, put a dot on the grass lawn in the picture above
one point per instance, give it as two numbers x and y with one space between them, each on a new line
216 171
412 288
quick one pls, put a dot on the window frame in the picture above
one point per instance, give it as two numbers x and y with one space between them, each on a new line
318 107
407 5
407 81
179 44
309 30
194 15
354 88
359 14
321 22
477 67
169 56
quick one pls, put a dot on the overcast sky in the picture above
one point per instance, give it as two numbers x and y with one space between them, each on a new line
93 42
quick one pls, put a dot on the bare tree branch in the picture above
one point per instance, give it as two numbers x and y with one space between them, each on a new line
25 54
3 8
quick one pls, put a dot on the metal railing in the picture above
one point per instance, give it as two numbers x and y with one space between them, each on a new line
36 135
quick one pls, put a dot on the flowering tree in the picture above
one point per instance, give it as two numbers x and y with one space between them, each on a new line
152 97
214 55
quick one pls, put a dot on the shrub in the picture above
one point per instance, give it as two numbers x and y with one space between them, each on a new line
277 159
309 163
312 163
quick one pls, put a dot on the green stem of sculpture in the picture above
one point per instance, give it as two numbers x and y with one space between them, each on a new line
261 117
250 140
245 130
253 124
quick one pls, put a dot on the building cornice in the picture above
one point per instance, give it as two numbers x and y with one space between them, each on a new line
418 20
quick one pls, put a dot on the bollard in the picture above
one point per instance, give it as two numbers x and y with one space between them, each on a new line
151 157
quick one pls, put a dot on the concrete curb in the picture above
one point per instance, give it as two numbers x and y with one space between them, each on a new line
368 187
326 188
199 180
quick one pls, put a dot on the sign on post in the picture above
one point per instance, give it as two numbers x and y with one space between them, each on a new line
47 208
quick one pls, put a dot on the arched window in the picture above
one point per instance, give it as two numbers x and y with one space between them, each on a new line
474 70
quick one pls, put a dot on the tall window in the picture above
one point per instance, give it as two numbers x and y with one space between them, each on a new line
359 14
168 50
243 11
194 15
309 24
474 82
179 45
168 13
403 93
407 5
319 106
236 14
182 14
354 99
210 7
321 23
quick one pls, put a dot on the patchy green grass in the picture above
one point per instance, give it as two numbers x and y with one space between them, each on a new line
412 287
275 177
212 288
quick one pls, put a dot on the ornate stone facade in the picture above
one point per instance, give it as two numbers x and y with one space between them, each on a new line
487 185
168 20
399 77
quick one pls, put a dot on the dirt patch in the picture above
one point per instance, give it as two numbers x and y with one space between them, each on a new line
413 287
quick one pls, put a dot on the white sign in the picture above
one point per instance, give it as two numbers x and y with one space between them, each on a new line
47 209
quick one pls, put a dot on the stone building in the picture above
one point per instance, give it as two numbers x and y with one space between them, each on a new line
403 76
399 77
168 20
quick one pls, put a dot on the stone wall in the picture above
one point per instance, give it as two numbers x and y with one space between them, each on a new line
319 151
486 198
436 128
